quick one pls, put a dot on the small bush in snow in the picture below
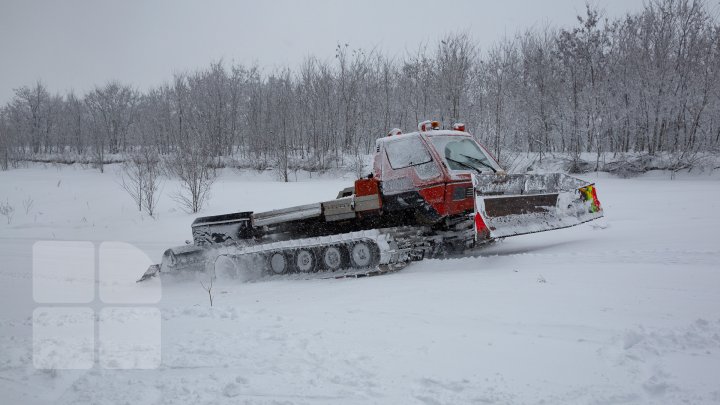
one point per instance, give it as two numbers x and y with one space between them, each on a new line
28 204
7 210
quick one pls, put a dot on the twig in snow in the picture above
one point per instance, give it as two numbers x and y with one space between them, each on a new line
208 289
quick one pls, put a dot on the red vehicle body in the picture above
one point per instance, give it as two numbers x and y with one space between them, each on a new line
431 190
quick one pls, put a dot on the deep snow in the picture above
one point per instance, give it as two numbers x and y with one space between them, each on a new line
623 310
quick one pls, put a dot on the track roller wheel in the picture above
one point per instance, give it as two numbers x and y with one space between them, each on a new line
225 268
278 263
305 261
332 258
363 254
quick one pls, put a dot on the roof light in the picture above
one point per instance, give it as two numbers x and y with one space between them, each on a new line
394 131
428 125
459 126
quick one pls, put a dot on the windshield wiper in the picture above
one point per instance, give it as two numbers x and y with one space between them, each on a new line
474 159
464 164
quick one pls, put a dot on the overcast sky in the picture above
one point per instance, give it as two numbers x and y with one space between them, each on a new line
74 45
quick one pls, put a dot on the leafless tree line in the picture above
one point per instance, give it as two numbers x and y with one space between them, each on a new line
645 83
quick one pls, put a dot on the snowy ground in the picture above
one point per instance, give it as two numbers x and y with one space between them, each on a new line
623 311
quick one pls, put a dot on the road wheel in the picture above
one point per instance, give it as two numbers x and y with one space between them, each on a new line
278 263
305 261
224 268
363 254
332 258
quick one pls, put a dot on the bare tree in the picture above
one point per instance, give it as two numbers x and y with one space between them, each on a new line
30 103
132 179
152 184
112 110
192 165
5 142
645 84
455 57
141 178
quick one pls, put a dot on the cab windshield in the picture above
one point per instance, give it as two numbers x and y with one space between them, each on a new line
463 153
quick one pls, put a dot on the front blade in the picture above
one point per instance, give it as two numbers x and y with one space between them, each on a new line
520 204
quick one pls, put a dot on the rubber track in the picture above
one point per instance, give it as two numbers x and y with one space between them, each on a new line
396 247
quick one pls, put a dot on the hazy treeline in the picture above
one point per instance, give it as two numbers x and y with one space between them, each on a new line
647 82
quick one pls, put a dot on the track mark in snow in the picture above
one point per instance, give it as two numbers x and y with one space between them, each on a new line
654 358
451 386
616 399
493 390
699 338
656 385
235 388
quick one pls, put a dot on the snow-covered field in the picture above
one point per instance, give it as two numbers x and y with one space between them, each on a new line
625 310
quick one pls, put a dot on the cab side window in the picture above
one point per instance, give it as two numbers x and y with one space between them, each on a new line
407 152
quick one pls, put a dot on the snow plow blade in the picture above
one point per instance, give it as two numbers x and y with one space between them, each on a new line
181 258
519 204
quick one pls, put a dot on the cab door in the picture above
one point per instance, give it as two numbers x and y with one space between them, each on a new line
410 176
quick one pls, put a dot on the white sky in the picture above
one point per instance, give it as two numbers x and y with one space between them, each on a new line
76 44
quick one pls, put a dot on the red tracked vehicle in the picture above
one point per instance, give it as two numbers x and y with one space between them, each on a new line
431 193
